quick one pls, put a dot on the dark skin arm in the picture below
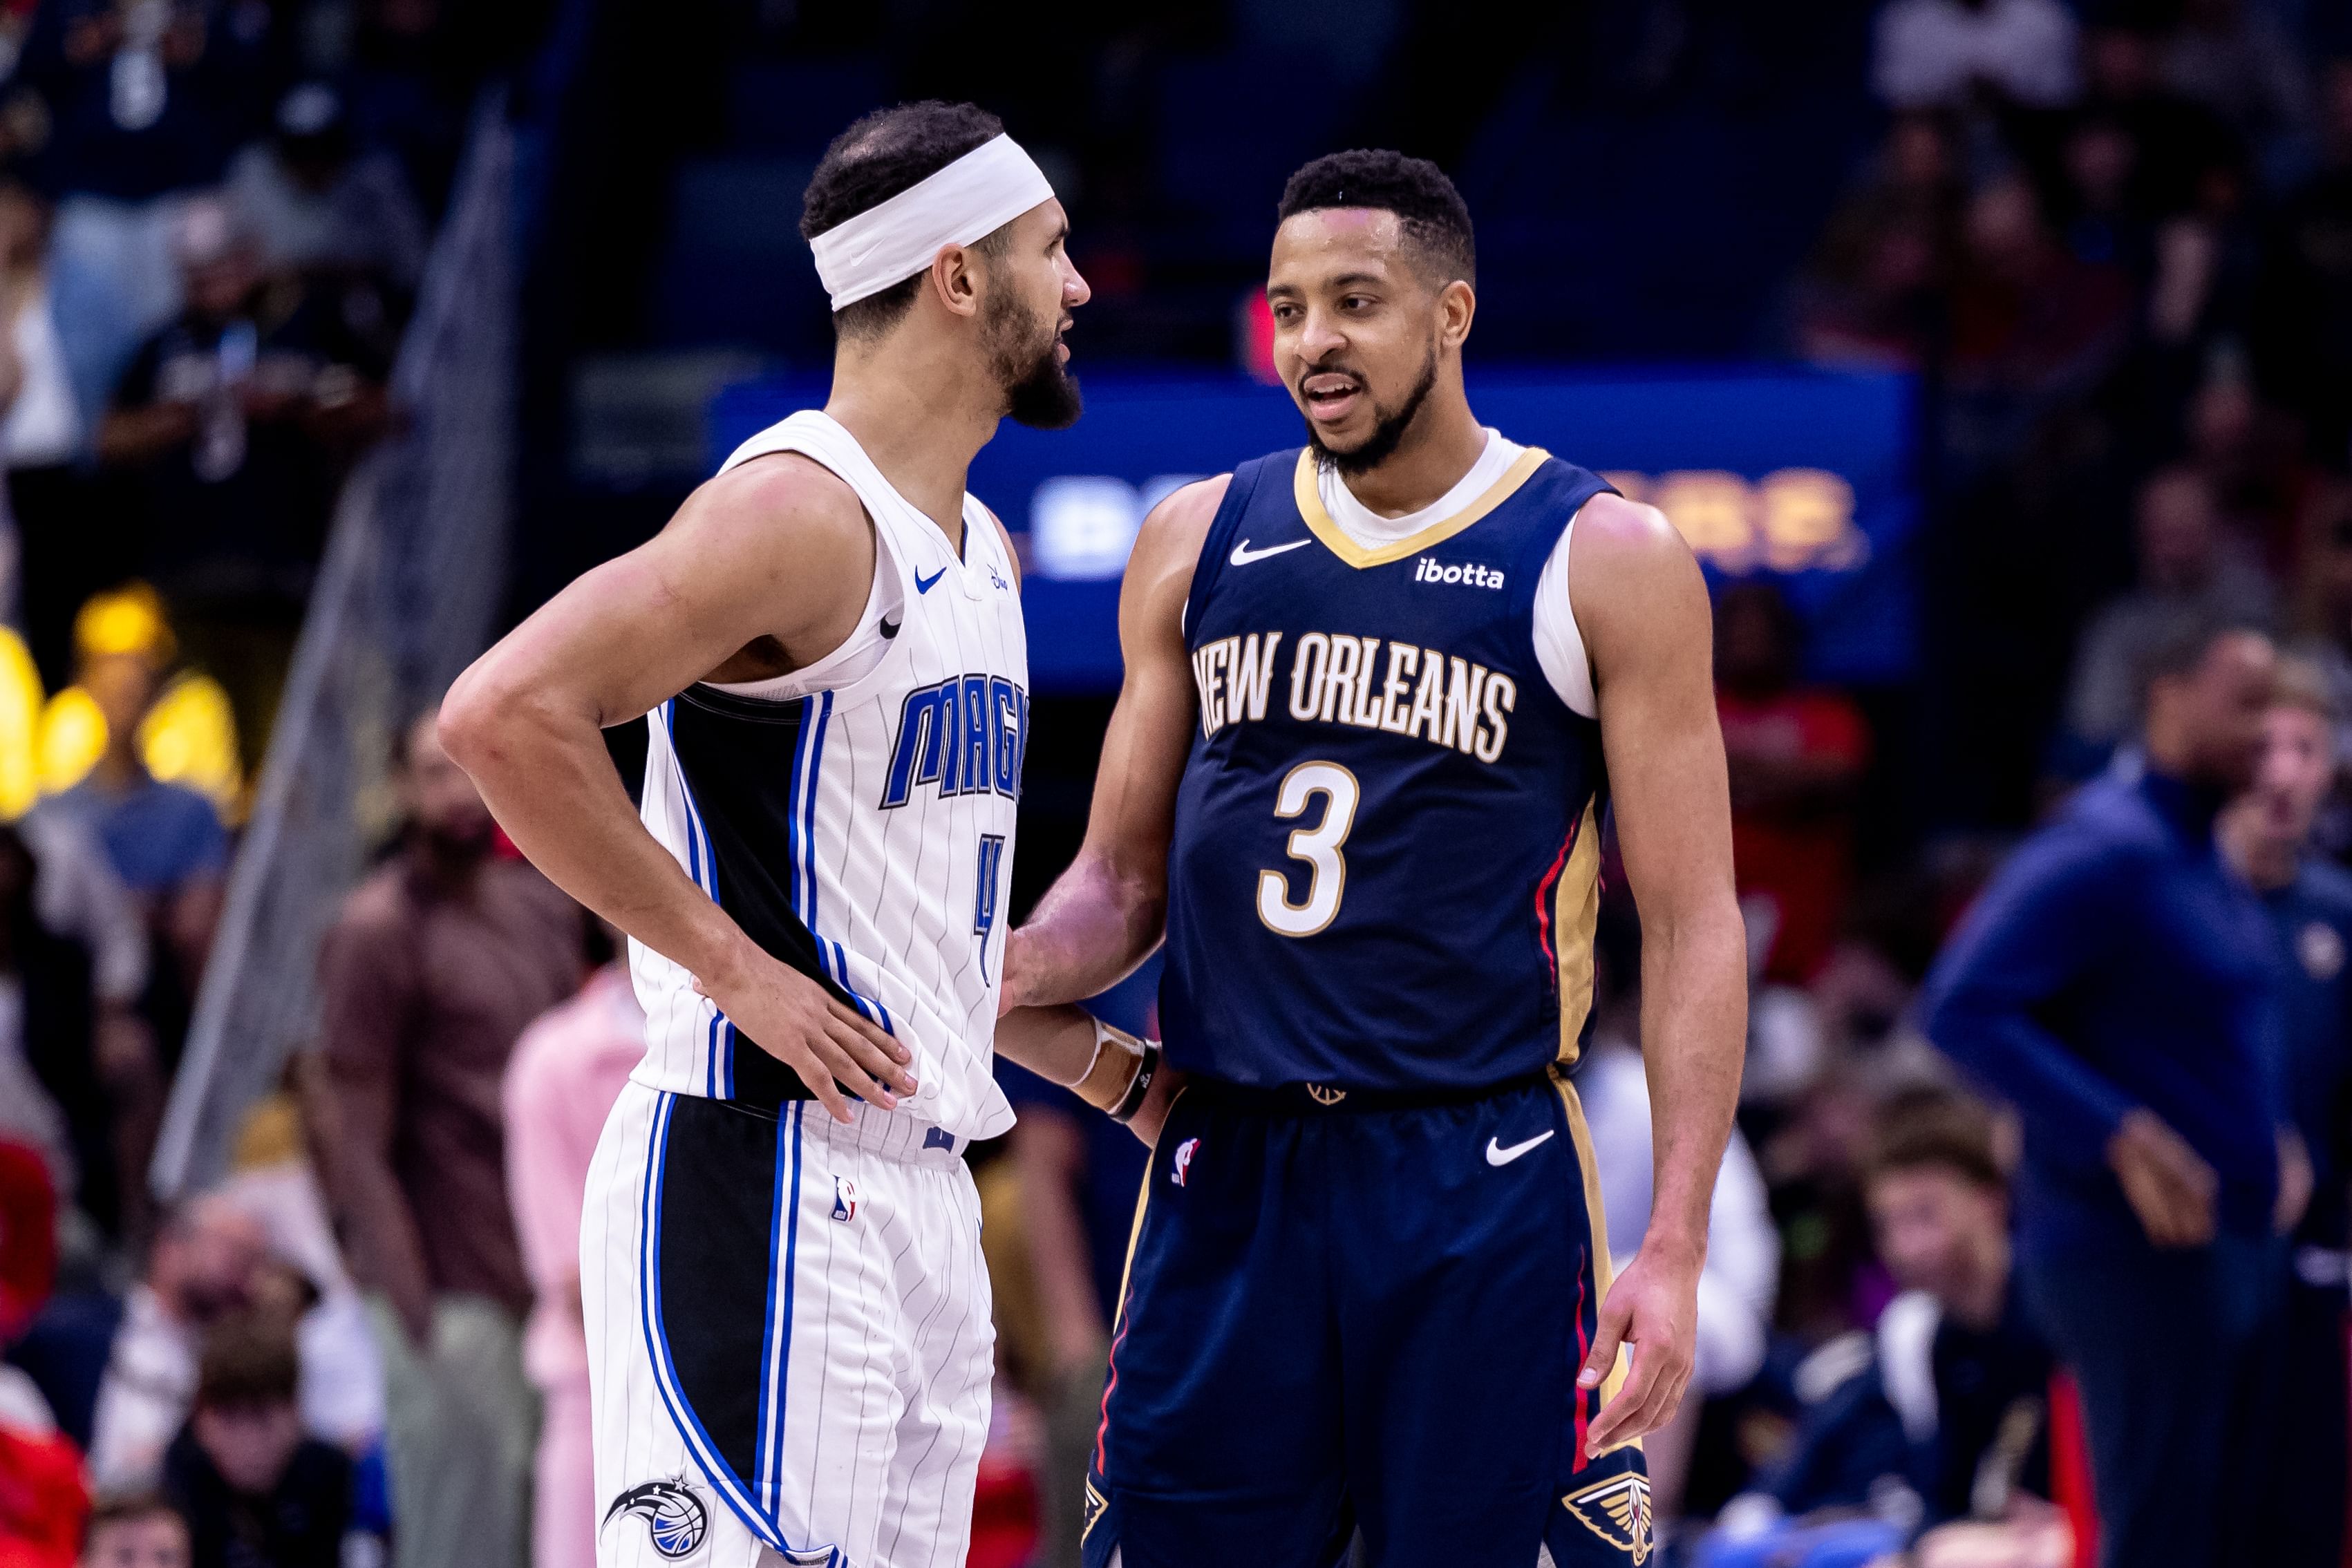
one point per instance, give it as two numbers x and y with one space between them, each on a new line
1104 915
1641 606
764 569
1108 912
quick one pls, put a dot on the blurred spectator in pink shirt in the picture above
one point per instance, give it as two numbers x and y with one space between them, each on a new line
568 1068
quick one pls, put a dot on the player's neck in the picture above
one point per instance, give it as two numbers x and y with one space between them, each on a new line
922 415
1439 449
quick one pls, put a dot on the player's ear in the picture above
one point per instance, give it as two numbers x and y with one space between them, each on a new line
955 278
1456 305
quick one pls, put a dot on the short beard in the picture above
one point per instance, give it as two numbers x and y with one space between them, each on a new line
1038 391
1386 436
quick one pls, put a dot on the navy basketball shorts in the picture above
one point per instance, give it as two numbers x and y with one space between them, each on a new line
1362 1315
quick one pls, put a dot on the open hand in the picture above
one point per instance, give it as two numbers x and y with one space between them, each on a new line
800 1023
1653 1307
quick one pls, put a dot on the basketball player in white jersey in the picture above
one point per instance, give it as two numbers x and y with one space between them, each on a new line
819 671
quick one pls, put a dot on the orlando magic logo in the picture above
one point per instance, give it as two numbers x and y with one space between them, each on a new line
671 1512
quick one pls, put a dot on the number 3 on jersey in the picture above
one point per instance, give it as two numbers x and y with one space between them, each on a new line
1318 846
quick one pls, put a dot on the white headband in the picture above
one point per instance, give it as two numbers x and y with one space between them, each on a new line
974 197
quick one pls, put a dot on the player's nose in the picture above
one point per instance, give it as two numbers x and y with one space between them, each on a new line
1319 337
1075 290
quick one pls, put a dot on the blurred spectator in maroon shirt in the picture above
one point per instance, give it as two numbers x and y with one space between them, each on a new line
1796 755
438 962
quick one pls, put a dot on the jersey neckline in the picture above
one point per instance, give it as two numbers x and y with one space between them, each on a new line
1334 538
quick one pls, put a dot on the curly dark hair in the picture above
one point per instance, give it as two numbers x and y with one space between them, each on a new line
882 154
1436 220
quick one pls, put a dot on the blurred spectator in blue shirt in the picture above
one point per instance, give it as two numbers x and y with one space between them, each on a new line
165 841
2118 983
2267 832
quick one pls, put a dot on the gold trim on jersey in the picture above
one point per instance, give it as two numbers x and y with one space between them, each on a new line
1576 915
1319 523
1596 1224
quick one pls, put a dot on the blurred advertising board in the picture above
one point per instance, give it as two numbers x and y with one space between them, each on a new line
1801 475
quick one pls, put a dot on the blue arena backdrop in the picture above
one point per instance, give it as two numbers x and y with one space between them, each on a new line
1807 475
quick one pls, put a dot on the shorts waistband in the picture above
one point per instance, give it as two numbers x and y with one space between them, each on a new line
893 1134
1320 1099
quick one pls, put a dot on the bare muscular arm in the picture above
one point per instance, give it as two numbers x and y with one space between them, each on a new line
765 567
1106 913
1641 606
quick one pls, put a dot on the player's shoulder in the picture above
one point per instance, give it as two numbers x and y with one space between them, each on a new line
1176 528
1631 576
776 495
1615 530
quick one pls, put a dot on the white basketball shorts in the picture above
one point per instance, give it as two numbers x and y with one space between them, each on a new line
789 1338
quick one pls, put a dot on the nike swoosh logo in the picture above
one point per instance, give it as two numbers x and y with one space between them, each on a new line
925 584
1243 555
1499 1155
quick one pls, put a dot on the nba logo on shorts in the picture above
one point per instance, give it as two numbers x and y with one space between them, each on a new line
1184 1160
845 1199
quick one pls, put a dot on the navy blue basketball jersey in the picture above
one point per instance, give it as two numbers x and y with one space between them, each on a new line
1386 865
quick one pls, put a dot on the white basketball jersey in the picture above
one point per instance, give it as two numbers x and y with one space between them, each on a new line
861 832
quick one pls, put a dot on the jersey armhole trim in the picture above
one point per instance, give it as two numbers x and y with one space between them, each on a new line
1561 650
1239 485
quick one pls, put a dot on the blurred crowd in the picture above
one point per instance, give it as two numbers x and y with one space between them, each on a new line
214 221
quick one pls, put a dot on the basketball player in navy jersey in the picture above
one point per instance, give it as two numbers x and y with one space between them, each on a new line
1380 694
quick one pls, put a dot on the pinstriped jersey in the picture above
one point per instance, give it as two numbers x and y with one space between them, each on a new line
862 833
1385 870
